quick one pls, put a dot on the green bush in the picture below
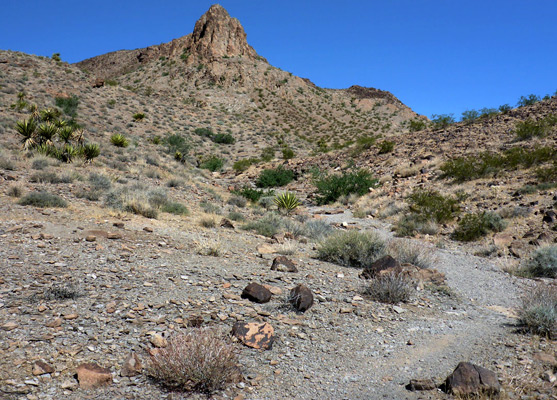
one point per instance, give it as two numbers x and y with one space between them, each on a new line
470 116
268 226
212 163
243 165
363 143
253 195
476 225
505 108
119 140
68 105
205 132
351 248
175 208
268 154
287 153
274 177
442 121
224 138
177 146
529 128
528 100
386 147
548 174
237 201
538 312
417 125
331 187
138 116
410 224
431 205
543 262
42 199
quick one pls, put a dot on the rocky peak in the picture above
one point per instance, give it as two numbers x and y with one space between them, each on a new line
217 35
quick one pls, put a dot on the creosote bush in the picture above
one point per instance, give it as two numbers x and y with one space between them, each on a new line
198 360
351 248
432 205
42 199
274 177
538 312
476 225
543 262
212 163
331 187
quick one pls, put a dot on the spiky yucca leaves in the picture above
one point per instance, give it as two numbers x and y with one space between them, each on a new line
50 114
119 140
67 153
46 150
287 201
46 132
26 129
65 133
90 151
60 123
34 111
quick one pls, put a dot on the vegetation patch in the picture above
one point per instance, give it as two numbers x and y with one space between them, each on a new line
542 262
119 140
390 288
287 201
538 312
212 163
274 177
476 225
42 199
351 248
331 187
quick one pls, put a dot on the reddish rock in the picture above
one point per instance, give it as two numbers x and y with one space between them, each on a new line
469 379
301 298
283 264
98 83
132 366
253 334
90 376
226 223
383 264
256 293
41 368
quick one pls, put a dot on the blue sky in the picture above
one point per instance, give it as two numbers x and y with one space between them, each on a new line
437 56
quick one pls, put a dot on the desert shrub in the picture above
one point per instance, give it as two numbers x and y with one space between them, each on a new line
237 201
287 201
208 222
287 153
174 183
119 140
412 223
470 116
505 108
543 262
134 199
331 187
528 100
390 288
351 248
243 165
40 163
42 199
135 206
363 143
317 229
406 251
267 202
274 177
548 174
210 208
157 198
236 216
44 177
442 121
6 163
476 225
175 208
529 129
212 163
223 138
253 195
488 112
431 205
417 125
138 116
267 154
205 132
268 226
514 212
538 311
177 144
386 147
197 360
68 105
15 191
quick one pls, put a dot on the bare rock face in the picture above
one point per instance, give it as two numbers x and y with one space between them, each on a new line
217 35
469 379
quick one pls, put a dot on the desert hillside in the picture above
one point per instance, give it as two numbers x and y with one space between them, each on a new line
188 204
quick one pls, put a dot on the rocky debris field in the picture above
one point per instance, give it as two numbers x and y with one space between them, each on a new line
86 296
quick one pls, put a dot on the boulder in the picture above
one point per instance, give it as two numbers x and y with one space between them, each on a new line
383 264
98 83
226 223
283 264
41 368
469 379
421 384
253 334
256 293
90 376
301 298
132 366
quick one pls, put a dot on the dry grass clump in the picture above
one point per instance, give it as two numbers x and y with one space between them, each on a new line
391 288
351 248
407 251
198 360
538 312
542 262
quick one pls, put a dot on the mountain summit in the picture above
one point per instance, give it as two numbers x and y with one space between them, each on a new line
218 35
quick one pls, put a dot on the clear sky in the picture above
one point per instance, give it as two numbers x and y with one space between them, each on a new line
437 56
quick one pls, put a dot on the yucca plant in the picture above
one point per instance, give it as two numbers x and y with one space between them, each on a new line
60 123
49 114
46 132
34 111
26 128
65 134
287 201
119 140
46 150
90 151
67 153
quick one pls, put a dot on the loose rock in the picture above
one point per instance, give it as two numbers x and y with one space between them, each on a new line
90 376
253 334
301 298
470 379
256 293
283 264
